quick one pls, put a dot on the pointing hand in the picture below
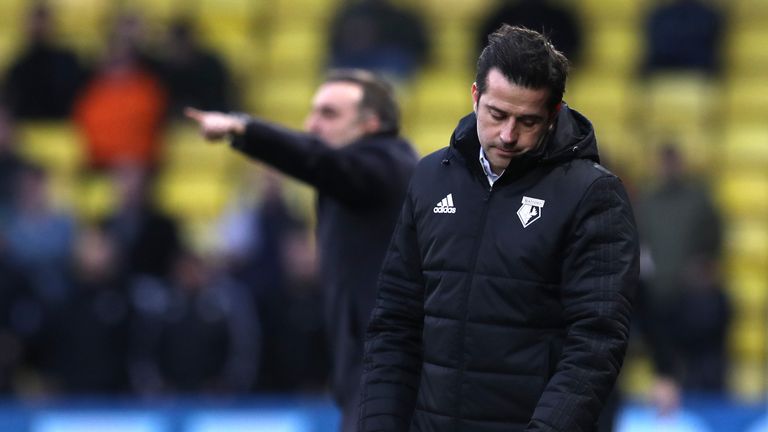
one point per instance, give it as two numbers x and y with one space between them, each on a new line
216 125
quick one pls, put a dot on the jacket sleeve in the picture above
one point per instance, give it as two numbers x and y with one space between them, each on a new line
393 353
357 175
600 272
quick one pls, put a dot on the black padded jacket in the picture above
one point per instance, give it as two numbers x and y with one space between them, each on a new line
360 192
503 308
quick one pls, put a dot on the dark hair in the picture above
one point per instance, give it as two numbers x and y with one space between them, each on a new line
526 58
378 96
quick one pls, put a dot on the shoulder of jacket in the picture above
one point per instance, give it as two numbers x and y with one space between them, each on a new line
588 169
390 143
436 156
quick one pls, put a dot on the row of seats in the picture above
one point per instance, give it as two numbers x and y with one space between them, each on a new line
277 51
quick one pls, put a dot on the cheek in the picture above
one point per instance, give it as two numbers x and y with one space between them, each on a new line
485 130
530 140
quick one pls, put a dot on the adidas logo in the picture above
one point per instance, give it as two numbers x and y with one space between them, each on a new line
445 205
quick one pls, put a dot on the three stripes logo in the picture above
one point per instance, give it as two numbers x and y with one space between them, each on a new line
445 205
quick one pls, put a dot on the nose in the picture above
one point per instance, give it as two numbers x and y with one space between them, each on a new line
310 123
509 134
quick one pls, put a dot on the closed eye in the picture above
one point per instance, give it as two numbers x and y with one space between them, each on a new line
497 115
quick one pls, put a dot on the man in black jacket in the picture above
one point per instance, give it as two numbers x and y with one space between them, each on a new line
353 156
504 299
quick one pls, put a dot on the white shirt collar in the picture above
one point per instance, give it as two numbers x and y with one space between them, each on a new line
492 177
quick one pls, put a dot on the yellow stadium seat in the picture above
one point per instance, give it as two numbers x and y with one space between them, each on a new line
745 52
12 27
286 101
749 286
621 151
429 138
192 198
186 152
237 15
440 97
746 100
11 44
678 102
13 15
604 98
303 11
235 29
453 48
295 50
81 20
743 194
748 339
612 48
455 12
747 241
95 197
747 11
622 12
54 145
746 146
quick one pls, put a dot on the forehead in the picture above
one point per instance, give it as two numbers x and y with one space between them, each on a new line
341 94
501 93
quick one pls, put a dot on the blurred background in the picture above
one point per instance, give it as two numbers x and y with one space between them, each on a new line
152 282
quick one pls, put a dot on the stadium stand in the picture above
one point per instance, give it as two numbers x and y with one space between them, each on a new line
276 50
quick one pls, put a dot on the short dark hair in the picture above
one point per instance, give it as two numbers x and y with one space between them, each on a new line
378 96
526 58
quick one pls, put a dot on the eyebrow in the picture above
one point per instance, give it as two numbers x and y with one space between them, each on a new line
327 109
532 117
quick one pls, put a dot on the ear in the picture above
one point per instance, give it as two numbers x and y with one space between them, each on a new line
371 123
475 97
553 117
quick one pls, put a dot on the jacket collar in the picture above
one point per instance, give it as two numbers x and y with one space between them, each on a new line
572 138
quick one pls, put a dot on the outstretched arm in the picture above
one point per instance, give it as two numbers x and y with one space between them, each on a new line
216 125
361 175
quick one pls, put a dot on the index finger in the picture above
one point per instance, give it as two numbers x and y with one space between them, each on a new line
194 113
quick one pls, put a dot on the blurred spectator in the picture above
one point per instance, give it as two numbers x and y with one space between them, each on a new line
251 233
38 243
43 81
11 163
683 35
147 239
193 75
39 237
91 331
197 334
266 247
19 318
558 22
379 36
682 307
352 154
295 356
121 110
701 330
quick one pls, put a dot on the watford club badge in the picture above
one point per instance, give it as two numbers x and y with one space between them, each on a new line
530 211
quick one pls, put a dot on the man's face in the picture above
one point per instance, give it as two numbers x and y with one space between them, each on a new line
336 117
511 120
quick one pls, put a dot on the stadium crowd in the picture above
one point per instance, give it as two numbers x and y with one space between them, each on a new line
125 305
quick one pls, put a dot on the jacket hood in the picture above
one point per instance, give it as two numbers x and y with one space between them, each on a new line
572 138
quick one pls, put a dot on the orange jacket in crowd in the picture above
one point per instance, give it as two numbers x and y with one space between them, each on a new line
121 116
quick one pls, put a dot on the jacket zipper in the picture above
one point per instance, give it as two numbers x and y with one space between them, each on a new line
465 310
